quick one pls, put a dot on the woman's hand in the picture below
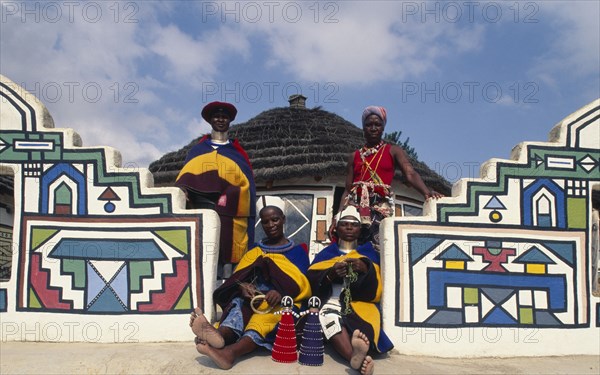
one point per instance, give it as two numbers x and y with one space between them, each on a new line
273 297
357 265
433 194
339 269
248 290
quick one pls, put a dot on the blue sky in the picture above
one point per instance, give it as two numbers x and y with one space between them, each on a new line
465 80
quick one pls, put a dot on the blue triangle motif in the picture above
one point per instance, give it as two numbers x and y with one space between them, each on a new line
421 245
453 252
546 318
95 283
534 255
106 302
454 317
564 250
497 295
494 203
499 316
120 285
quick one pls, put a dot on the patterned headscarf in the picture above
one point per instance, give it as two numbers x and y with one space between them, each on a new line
374 110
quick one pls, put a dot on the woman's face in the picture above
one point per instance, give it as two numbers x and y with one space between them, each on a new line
220 121
348 230
373 129
272 221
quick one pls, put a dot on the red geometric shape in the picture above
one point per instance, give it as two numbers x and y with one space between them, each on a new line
62 209
173 287
40 282
495 261
109 195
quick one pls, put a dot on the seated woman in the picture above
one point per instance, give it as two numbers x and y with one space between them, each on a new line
274 268
348 279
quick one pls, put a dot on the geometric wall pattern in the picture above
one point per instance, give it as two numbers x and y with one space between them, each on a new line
91 237
76 266
513 249
492 281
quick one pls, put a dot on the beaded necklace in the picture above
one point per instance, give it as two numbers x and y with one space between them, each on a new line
350 278
365 151
276 249
366 168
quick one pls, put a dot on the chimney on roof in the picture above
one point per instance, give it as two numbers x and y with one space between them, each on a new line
297 101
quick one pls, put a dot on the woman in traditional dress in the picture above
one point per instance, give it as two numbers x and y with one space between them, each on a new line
347 277
274 268
369 175
217 174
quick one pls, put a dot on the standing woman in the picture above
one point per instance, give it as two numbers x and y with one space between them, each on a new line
369 175
217 174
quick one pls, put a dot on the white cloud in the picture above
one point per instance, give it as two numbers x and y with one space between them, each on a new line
573 50
367 43
185 56
87 73
197 127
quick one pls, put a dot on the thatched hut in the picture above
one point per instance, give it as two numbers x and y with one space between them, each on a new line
301 154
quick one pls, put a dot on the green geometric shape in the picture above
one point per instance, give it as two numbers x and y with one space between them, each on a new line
39 236
185 302
138 270
34 302
104 177
175 237
63 195
494 251
576 213
471 296
510 171
77 268
525 315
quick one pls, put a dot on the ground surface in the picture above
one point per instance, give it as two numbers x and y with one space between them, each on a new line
182 358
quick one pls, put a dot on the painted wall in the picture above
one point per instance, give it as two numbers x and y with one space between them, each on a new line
503 267
98 254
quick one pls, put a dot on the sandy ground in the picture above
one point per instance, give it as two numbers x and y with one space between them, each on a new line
182 358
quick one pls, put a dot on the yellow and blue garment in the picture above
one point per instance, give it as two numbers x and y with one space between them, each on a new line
366 291
282 268
224 170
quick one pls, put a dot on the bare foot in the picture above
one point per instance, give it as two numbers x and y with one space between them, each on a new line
221 357
360 347
204 330
368 366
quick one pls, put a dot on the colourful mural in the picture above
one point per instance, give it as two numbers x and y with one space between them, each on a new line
98 254
91 238
510 250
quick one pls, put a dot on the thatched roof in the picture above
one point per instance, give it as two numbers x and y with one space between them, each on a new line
290 142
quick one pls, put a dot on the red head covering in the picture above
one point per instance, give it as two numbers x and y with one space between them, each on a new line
213 107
